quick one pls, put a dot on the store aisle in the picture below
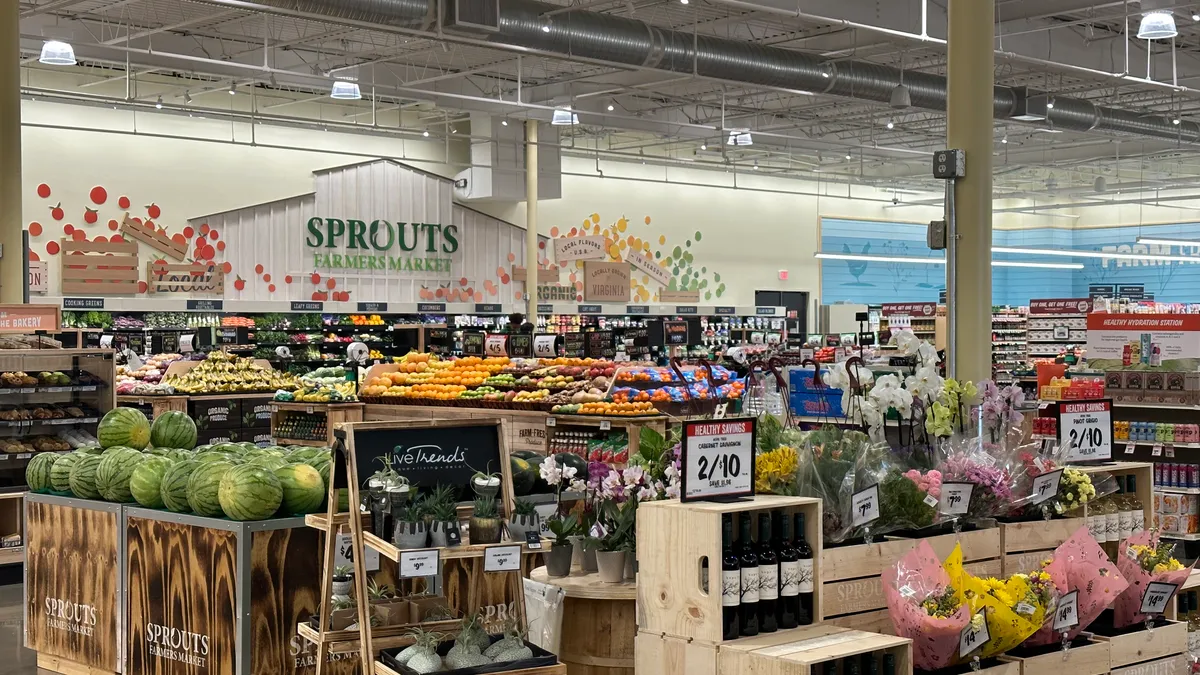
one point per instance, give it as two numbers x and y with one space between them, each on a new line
16 659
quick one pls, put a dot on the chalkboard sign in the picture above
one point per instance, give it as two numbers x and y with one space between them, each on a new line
573 345
426 307
438 452
637 341
437 340
303 306
230 335
676 332
600 345
520 346
170 343
724 311
83 303
473 344
137 342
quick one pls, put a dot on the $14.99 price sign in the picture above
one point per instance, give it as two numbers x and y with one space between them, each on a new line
718 459
1085 428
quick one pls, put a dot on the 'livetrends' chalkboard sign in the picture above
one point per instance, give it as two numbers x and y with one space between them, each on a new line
447 452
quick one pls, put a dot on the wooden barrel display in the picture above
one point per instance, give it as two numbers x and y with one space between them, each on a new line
599 623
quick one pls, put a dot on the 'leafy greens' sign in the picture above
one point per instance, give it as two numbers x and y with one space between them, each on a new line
377 241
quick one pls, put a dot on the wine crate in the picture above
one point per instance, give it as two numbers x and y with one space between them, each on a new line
1146 645
1084 658
788 652
676 596
850 575
1170 665
1026 544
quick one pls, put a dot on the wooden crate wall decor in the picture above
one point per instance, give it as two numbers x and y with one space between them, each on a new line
192 278
73 589
151 237
102 268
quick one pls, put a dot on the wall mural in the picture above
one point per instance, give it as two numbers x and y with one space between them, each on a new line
876 282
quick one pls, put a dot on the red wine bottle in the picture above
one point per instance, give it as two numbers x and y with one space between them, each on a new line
768 577
804 555
748 562
788 607
731 582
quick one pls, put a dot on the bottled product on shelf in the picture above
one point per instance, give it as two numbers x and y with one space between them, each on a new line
768 577
788 606
804 556
731 583
748 559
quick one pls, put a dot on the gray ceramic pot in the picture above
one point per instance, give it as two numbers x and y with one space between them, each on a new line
611 565
411 535
558 561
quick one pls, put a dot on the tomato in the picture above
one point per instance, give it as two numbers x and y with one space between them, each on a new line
98 195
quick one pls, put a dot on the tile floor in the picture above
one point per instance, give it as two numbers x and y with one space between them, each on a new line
15 659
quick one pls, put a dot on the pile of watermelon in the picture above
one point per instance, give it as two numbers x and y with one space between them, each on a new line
159 466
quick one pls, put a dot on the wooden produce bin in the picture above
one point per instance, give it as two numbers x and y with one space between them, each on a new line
590 603
156 405
74 584
1085 657
852 588
1143 473
557 424
673 598
1170 665
1026 544
208 595
334 414
787 652
1142 646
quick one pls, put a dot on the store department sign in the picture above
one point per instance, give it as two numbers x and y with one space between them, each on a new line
39 282
605 281
646 264
399 247
578 248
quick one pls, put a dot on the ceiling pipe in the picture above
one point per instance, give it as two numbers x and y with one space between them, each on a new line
530 25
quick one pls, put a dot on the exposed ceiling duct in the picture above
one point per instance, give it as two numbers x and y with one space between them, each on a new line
528 24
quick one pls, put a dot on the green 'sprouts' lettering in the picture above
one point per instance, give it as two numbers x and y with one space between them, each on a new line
430 231
449 233
357 229
402 238
334 228
373 233
314 239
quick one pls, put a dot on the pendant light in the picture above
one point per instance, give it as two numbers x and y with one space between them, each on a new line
1157 25
57 53
344 90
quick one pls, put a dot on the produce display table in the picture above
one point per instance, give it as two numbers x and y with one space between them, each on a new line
599 623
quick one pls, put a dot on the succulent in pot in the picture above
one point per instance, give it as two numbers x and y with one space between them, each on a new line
343 580
524 518
486 484
411 531
379 592
485 524
443 518
421 656
441 494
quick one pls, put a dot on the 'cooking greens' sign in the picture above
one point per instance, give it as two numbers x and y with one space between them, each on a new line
381 245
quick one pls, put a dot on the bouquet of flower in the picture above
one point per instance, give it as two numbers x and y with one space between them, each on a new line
1144 560
827 459
1000 415
1079 565
1075 487
775 471
932 603
966 460
908 497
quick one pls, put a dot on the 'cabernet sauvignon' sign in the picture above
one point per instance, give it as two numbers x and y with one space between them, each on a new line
377 241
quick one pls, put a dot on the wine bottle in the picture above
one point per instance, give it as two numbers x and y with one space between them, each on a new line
889 664
748 561
731 582
788 607
804 555
850 666
768 577
870 664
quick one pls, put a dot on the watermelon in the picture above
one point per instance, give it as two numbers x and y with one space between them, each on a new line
114 472
161 452
523 454
524 476
540 486
303 489
565 459
124 426
178 454
146 482
268 462
250 492
173 429
115 449
37 472
60 473
229 448
91 450
83 477
322 465
202 448
173 489
210 457
247 446
202 488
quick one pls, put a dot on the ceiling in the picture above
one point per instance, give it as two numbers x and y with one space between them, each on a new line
282 63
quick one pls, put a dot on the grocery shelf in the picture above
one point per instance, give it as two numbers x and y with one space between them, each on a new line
1180 536
13 555
1177 491
49 390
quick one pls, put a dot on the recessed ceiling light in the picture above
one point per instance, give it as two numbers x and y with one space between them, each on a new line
610 107
57 53
158 103
425 133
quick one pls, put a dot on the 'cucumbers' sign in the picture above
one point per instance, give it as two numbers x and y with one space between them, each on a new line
381 245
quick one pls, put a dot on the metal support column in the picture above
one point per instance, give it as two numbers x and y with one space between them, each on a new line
969 114
531 232
12 257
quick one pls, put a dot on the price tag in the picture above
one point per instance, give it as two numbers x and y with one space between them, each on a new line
1157 450
308 409
1062 333
1086 428
807 354
1158 594
1169 448
717 459
550 422
495 345
1045 486
533 540
930 501
865 505
423 563
545 511
185 343
453 536
502 558
719 413
106 341
543 346
1129 447
605 425
956 498
345 554
971 639
1066 615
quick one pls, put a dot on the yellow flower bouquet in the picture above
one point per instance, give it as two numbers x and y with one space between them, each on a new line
1013 608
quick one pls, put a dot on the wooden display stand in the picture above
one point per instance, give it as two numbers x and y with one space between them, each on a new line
852 588
334 414
589 603
74 585
469 586
1085 657
632 426
157 404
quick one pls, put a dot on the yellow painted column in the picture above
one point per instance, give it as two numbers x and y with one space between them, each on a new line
12 265
969 114
531 232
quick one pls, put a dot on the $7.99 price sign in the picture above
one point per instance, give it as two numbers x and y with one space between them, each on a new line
718 459
1086 429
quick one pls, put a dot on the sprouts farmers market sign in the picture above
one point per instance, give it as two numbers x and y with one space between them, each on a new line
381 245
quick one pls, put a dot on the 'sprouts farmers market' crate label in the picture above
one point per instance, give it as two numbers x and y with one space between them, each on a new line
71 617
173 644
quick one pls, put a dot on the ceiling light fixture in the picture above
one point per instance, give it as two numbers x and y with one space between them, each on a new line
546 27
1167 241
901 97
1050 104
425 133
503 123
1157 25
232 88
564 117
891 124
1195 16
1069 253
187 97
942 261
610 107
739 137
158 103
57 53
704 146
683 2
344 90
849 157
756 165
1176 121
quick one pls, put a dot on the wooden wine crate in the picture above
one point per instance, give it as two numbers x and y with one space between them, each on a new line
102 268
1083 658
786 652
1026 544
1170 665
1146 645
851 584
74 599
674 597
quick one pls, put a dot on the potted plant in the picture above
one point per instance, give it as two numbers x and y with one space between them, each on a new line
443 518
524 518
486 485
411 531
442 494
485 523
617 525
343 580
377 593
343 613
558 563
